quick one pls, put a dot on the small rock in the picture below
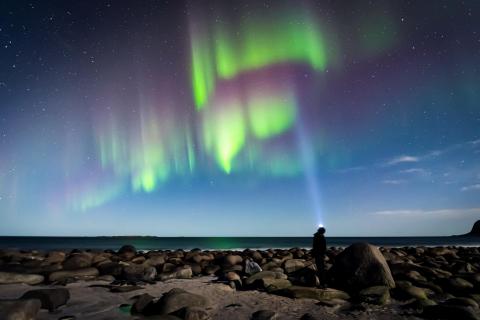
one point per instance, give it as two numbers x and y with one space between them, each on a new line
379 295
264 315
106 278
192 313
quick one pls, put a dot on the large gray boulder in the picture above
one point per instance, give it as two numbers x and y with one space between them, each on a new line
360 266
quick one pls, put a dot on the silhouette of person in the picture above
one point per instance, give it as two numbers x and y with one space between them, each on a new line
318 251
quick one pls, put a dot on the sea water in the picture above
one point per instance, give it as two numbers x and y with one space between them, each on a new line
219 243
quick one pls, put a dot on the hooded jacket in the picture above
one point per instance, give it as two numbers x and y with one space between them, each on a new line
319 247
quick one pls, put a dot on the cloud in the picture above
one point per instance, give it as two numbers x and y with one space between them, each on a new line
421 212
416 171
475 142
471 187
394 182
402 159
352 169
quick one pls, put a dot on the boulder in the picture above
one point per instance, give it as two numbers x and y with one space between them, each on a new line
176 299
232 276
11 278
263 275
233 259
51 299
360 266
136 272
293 265
111 268
271 285
379 295
305 277
55 257
313 293
127 252
405 290
77 261
142 304
106 278
184 272
458 285
155 260
211 269
462 301
19 309
84 274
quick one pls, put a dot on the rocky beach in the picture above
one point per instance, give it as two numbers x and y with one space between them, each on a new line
363 282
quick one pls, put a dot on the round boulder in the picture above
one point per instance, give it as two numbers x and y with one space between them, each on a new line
360 266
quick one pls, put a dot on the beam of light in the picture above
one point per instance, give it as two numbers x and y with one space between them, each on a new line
310 169
258 42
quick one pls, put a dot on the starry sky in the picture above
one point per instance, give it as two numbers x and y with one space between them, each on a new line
239 118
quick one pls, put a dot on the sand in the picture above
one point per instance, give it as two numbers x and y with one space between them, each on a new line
94 303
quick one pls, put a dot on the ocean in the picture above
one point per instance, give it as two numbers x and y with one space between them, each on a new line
218 243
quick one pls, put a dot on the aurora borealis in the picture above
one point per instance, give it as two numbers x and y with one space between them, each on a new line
242 118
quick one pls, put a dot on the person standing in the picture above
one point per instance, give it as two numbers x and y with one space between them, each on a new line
319 248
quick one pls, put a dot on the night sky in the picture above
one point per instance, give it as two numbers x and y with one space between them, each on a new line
239 118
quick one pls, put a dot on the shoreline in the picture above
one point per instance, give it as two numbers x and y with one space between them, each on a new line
362 281
222 243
